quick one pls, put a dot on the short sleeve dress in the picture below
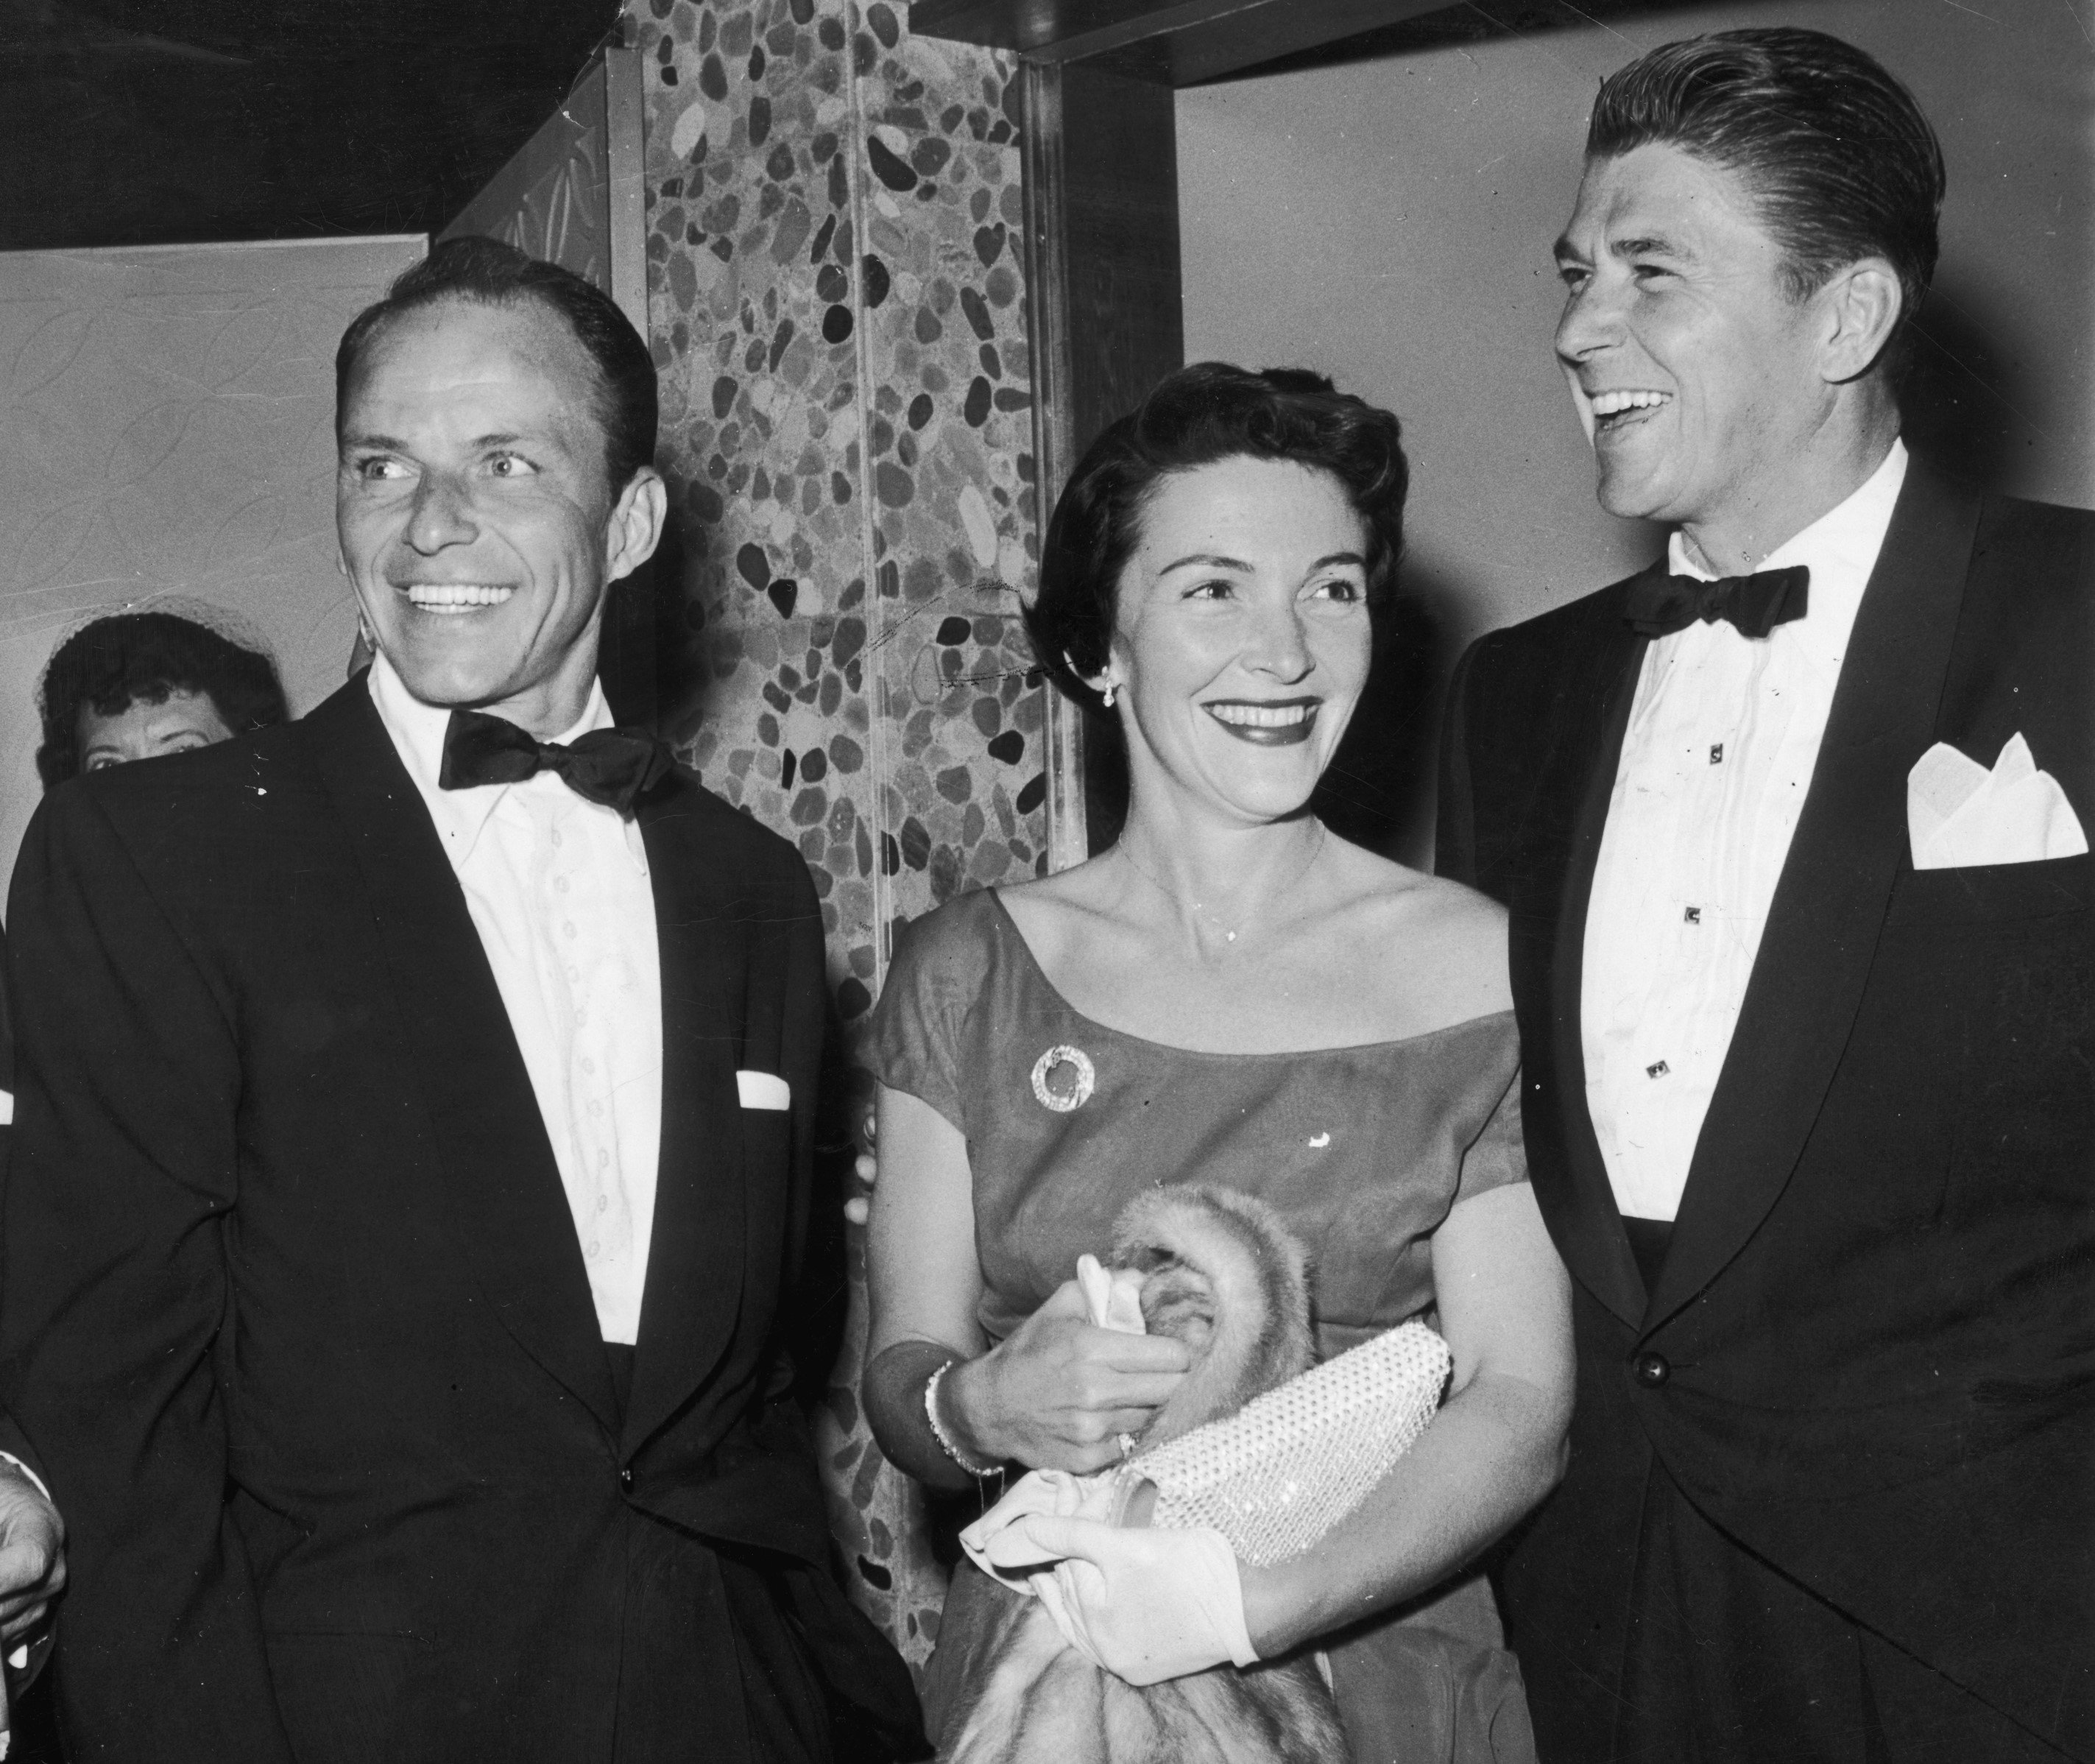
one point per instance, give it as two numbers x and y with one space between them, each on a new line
1362 1151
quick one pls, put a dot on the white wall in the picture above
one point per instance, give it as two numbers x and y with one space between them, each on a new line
1390 223
166 427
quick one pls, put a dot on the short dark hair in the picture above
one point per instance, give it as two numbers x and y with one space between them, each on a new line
1194 417
141 658
1843 163
491 273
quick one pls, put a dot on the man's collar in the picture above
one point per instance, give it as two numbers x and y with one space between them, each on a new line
1841 543
417 730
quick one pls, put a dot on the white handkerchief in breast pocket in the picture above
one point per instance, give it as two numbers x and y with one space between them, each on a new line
1960 815
763 1090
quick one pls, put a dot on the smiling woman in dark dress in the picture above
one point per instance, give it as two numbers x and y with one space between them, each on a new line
1246 1000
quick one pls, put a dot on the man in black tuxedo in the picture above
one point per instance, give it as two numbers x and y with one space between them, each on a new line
413 1150
32 1537
1808 1105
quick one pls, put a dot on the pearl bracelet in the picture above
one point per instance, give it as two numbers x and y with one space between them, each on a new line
946 1444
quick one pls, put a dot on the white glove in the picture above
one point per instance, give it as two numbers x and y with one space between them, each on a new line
1145 1605
1115 1297
998 1543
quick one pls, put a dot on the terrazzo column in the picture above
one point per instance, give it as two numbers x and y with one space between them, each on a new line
837 311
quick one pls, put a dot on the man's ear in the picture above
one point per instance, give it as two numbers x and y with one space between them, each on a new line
635 528
1863 304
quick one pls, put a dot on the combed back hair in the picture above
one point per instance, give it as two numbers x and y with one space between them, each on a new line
491 273
1842 162
144 658
1194 417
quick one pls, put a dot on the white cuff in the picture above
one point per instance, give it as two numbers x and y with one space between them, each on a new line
41 1488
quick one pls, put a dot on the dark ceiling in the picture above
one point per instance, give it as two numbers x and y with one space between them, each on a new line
154 122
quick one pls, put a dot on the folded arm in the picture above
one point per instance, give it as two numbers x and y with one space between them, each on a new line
1053 1396
1495 1449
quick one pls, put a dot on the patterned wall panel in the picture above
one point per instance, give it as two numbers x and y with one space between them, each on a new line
166 428
572 195
553 199
836 309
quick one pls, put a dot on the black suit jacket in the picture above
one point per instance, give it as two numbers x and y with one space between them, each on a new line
294 1310
1874 1323
11 1436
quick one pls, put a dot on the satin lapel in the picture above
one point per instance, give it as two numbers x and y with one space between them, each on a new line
1587 747
1829 906
506 1205
695 1257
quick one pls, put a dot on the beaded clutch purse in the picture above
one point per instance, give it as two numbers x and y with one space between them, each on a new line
1290 1464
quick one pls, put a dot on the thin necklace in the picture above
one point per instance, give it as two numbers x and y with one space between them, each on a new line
1229 936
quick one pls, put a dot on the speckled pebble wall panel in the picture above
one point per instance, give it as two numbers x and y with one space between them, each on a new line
838 314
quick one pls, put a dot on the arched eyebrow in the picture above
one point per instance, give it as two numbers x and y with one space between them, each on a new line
1214 560
1205 560
479 443
1563 251
1653 245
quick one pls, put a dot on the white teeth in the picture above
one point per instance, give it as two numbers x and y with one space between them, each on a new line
1614 403
456 596
1261 715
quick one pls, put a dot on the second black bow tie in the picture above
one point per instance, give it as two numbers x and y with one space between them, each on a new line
610 766
1657 606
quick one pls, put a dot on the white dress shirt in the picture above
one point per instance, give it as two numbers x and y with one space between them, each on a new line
559 892
1723 737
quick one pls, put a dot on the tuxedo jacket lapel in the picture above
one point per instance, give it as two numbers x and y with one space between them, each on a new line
1829 906
503 1194
695 1258
1587 744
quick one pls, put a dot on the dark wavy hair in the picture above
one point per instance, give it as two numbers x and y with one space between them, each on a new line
491 273
1842 162
1194 417
141 658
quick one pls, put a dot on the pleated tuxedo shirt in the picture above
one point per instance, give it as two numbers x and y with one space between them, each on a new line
1724 735
559 890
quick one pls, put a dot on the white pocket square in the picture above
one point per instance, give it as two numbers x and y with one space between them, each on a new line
763 1090
1959 814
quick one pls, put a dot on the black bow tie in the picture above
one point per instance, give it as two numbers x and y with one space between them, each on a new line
1657 606
610 766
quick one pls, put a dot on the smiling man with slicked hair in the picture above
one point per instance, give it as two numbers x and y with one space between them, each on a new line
1790 828
414 1146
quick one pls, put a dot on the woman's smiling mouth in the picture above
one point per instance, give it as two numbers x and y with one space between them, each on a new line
1280 723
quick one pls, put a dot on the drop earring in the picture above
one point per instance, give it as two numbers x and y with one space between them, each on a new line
1108 695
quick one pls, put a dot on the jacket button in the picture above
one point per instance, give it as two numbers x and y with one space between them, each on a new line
625 1479
1652 1370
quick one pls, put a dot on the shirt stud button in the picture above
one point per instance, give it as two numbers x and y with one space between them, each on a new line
1693 915
1657 1068
1716 753
1652 1370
